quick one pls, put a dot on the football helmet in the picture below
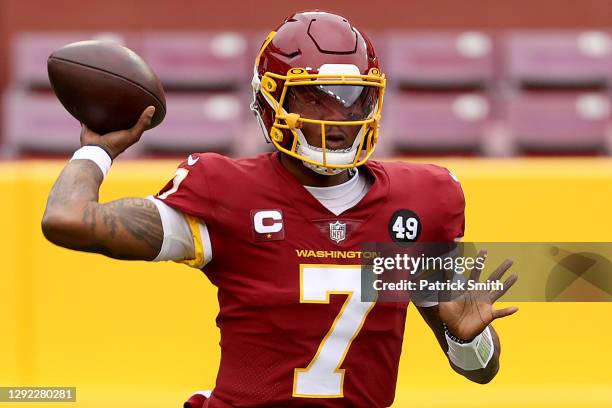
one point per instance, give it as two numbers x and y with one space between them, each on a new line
317 71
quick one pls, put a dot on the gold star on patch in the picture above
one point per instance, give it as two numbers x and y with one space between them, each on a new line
269 236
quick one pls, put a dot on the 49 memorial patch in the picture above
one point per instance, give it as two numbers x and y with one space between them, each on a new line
404 226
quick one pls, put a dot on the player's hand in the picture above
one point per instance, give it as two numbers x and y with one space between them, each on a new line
467 314
116 142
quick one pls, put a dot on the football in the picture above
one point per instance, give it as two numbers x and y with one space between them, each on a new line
104 85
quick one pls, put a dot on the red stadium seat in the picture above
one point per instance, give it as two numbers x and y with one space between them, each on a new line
188 60
37 123
441 94
436 122
439 59
559 122
199 122
558 58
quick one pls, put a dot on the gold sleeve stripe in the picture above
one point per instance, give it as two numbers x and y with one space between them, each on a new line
198 260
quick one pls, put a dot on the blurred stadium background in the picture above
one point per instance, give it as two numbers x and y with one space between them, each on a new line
513 96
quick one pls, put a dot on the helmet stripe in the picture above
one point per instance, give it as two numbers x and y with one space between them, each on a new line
263 47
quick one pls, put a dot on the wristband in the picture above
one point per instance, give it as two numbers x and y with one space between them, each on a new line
97 155
470 355
453 337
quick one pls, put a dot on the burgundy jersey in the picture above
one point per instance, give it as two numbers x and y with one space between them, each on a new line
294 331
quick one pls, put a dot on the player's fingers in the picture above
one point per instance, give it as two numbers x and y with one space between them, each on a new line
88 135
507 311
144 121
496 294
476 270
501 269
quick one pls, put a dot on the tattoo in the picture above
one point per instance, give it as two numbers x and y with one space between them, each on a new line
128 228
125 229
138 217
110 222
80 178
89 217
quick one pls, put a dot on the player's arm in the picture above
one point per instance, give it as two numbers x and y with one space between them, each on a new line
129 228
480 375
462 324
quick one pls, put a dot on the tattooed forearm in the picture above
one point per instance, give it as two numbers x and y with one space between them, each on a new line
79 181
129 228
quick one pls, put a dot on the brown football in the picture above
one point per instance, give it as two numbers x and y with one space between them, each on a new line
104 85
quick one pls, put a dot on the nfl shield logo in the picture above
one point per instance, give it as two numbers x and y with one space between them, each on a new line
337 231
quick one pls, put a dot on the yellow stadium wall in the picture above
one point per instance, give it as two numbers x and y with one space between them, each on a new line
143 335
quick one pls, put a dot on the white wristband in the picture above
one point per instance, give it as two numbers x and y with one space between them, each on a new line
473 355
97 155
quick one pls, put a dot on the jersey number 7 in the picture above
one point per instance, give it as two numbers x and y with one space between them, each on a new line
323 378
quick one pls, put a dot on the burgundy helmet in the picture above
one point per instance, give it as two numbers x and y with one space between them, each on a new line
319 61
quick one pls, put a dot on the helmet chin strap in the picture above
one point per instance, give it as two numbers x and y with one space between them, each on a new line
322 170
336 157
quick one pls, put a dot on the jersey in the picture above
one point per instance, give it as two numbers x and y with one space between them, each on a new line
294 331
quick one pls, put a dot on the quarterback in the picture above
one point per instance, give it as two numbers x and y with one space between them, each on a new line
294 329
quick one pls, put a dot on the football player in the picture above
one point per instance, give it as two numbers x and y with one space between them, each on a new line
279 234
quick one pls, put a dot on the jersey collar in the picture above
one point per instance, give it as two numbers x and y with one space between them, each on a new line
296 195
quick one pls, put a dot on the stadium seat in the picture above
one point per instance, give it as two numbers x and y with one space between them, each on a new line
198 60
199 122
37 123
435 122
558 58
439 59
30 52
559 122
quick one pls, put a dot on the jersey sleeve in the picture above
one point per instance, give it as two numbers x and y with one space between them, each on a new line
185 237
448 193
185 204
455 209
452 200
189 189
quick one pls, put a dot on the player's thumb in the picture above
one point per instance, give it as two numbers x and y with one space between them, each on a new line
144 121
